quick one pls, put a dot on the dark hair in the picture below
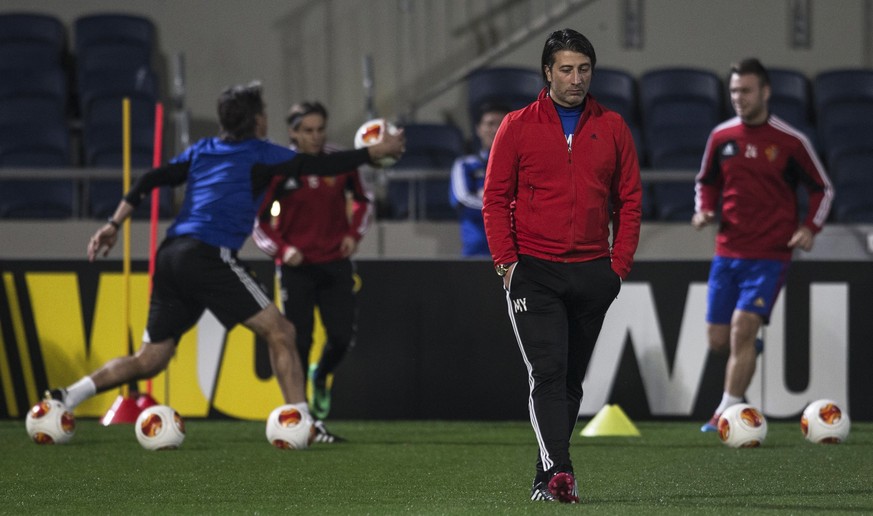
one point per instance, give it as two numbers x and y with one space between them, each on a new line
751 66
490 107
566 39
300 110
237 108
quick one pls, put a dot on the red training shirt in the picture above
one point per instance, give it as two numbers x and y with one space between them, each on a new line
756 171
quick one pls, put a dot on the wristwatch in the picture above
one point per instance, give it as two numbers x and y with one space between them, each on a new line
502 269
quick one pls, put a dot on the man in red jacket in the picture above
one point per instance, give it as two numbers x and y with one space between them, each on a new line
753 164
561 169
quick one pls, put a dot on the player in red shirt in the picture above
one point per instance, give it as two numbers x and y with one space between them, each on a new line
312 228
753 164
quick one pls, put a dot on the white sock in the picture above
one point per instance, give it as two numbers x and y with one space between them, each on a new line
726 401
79 392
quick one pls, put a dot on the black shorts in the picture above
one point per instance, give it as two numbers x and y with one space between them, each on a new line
191 276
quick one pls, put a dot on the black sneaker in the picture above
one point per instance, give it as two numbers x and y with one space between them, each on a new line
59 394
323 435
540 492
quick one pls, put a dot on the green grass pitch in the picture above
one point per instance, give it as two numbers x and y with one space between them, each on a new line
430 467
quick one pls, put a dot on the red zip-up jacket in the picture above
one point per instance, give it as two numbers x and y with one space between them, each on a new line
314 216
755 171
554 201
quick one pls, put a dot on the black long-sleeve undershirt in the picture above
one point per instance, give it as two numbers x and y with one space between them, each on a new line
332 164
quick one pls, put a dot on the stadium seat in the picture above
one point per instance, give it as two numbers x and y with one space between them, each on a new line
31 40
844 109
791 100
431 149
34 134
790 96
852 175
101 104
33 126
34 82
102 196
116 43
617 90
680 106
35 143
512 87
109 29
37 198
114 58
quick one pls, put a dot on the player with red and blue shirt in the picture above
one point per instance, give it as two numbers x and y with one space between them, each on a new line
753 165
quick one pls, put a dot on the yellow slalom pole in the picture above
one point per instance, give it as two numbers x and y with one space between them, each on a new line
125 295
124 409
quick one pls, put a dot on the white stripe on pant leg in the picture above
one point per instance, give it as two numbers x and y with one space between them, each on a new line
247 281
547 461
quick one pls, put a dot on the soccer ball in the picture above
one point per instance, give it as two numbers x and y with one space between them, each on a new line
742 426
371 133
49 422
289 429
824 422
160 427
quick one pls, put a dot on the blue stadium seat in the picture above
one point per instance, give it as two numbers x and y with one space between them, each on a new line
101 105
102 198
114 58
34 82
852 175
33 135
791 100
429 147
617 90
33 127
32 143
31 40
680 106
790 96
108 29
512 87
844 108
37 198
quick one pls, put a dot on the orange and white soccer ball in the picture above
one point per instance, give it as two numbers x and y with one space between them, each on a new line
371 133
825 422
290 429
160 427
742 426
49 422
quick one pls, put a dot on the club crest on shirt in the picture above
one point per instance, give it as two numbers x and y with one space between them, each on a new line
772 152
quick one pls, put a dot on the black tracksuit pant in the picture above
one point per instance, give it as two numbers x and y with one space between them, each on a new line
557 310
331 287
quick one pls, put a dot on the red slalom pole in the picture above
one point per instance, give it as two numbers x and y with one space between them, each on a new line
156 193
147 399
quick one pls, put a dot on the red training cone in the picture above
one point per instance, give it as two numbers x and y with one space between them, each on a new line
144 401
123 410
